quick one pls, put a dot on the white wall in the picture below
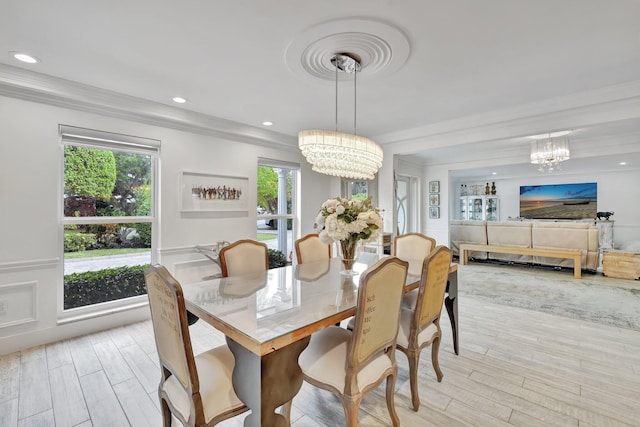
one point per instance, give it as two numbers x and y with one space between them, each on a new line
30 193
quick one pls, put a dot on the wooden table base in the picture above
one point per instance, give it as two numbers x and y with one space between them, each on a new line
268 382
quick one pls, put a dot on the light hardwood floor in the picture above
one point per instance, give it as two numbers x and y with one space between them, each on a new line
516 368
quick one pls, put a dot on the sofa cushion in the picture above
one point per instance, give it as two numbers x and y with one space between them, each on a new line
514 234
468 232
566 235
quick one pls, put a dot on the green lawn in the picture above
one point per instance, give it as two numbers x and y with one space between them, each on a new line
266 236
103 252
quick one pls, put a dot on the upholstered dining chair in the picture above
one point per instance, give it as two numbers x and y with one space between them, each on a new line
420 325
195 389
243 257
351 363
309 248
413 248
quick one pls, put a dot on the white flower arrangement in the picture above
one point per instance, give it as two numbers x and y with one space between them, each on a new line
348 220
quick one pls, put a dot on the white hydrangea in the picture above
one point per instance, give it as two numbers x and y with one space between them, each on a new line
342 219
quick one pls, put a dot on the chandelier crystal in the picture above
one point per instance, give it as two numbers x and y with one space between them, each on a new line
549 153
341 154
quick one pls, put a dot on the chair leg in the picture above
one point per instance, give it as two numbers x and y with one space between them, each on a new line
166 413
285 410
413 356
391 404
351 407
435 350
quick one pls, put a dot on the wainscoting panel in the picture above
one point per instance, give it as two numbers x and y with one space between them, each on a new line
18 302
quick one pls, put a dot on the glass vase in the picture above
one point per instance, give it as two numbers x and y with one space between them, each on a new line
349 256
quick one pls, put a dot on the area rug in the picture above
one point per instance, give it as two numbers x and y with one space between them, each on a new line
595 298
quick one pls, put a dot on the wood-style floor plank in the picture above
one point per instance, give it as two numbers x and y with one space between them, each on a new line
69 407
146 371
84 356
139 409
9 376
43 419
113 363
35 394
102 403
58 354
9 413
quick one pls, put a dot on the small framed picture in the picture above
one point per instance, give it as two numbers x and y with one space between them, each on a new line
434 186
434 212
434 199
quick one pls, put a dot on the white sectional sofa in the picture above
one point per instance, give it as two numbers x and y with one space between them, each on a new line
582 236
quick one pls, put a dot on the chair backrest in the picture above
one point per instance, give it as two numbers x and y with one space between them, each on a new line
170 328
413 248
378 310
244 257
310 248
433 284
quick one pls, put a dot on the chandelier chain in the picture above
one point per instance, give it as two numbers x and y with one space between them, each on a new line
336 64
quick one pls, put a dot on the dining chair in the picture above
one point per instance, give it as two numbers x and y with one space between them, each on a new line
244 257
420 325
413 248
309 248
195 389
351 363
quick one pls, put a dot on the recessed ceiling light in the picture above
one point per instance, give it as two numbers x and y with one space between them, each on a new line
622 163
267 123
20 56
179 99
494 173
550 135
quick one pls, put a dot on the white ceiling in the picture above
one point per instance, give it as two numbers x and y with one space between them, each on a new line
236 60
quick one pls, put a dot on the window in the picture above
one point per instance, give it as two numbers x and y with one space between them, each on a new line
277 204
108 217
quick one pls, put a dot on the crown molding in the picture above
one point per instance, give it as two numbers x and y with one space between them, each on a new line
31 86
612 103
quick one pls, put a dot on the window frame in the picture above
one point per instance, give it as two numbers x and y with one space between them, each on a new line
88 138
295 196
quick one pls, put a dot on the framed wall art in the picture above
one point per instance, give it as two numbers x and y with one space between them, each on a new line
205 192
434 212
434 186
434 199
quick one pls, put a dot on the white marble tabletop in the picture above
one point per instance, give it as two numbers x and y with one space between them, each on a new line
270 309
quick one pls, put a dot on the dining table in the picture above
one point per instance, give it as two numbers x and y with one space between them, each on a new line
268 319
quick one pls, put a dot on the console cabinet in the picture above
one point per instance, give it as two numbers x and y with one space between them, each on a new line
479 208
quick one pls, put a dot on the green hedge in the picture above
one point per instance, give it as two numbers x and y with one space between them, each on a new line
276 259
110 284
75 241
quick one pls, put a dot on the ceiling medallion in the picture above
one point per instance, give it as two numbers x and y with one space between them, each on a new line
381 48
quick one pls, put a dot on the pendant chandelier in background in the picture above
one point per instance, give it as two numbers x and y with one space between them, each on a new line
550 151
336 153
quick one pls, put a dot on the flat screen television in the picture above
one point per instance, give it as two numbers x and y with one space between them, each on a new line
559 201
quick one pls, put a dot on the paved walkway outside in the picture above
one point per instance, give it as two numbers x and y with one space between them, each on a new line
80 265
